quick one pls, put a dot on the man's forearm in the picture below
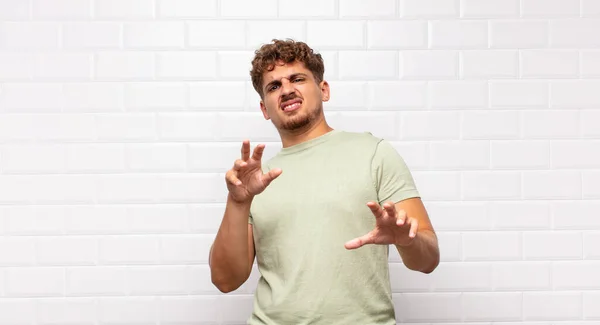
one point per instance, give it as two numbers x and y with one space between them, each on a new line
423 252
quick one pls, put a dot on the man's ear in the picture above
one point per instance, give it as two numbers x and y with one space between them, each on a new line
325 92
263 109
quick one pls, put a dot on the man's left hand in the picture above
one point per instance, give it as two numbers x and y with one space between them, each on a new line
393 227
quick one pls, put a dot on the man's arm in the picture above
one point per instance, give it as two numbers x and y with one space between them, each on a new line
423 253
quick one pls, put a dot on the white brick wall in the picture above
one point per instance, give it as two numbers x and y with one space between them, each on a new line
118 119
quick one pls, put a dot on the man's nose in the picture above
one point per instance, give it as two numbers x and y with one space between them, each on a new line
286 86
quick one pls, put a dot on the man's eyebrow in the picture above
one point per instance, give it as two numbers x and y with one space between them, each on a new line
277 81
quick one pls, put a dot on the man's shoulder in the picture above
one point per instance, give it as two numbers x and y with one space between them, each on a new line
366 138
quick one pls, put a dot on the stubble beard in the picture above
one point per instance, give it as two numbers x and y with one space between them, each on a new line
300 121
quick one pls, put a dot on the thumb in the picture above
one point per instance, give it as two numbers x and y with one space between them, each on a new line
359 241
271 175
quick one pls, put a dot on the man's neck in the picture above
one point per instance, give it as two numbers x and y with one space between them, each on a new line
289 139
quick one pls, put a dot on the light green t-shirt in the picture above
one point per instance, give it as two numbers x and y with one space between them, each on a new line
305 216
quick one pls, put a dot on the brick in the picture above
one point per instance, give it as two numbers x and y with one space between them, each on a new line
336 34
16 67
96 280
591 184
416 307
57 310
543 184
62 67
522 276
541 63
17 251
455 34
124 65
489 8
211 95
459 277
128 250
438 186
123 9
14 10
590 63
478 185
186 126
349 95
450 216
396 34
364 9
451 242
93 97
126 126
516 154
493 125
128 188
505 306
429 8
576 154
234 65
155 96
127 309
519 94
244 9
552 305
546 124
18 311
96 219
241 126
75 189
157 218
183 249
192 188
157 280
574 33
34 220
415 153
491 246
189 65
71 250
458 94
435 64
590 123
457 155
574 94
16 98
393 95
205 218
186 9
154 35
520 215
224 34
17 127
546 245
188 309
590 8
262 32
591 245
61 9
91 35
377 65
35 282
380 124
224 155
311 8
32 158
156 157
429 125
551 8
591 305
576 215
575 275
30 35
404 280
489 64
518 34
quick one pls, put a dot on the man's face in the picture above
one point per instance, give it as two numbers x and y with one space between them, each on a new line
292 99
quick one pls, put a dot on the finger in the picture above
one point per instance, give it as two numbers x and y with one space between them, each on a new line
400 217
414 225
231 177
375 209
258 152
271 175
390 209
359 241
239 164
245 150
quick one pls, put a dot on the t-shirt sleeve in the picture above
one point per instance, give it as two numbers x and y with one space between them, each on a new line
393 180
250 220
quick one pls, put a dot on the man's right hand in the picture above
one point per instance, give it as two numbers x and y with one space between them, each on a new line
246 179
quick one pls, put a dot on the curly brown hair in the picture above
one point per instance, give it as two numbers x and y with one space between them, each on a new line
287 51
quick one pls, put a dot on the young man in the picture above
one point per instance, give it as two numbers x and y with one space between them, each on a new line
320 215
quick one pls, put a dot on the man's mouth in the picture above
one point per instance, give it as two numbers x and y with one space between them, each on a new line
291 105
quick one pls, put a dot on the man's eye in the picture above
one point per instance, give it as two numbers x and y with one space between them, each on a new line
298 79
272 88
